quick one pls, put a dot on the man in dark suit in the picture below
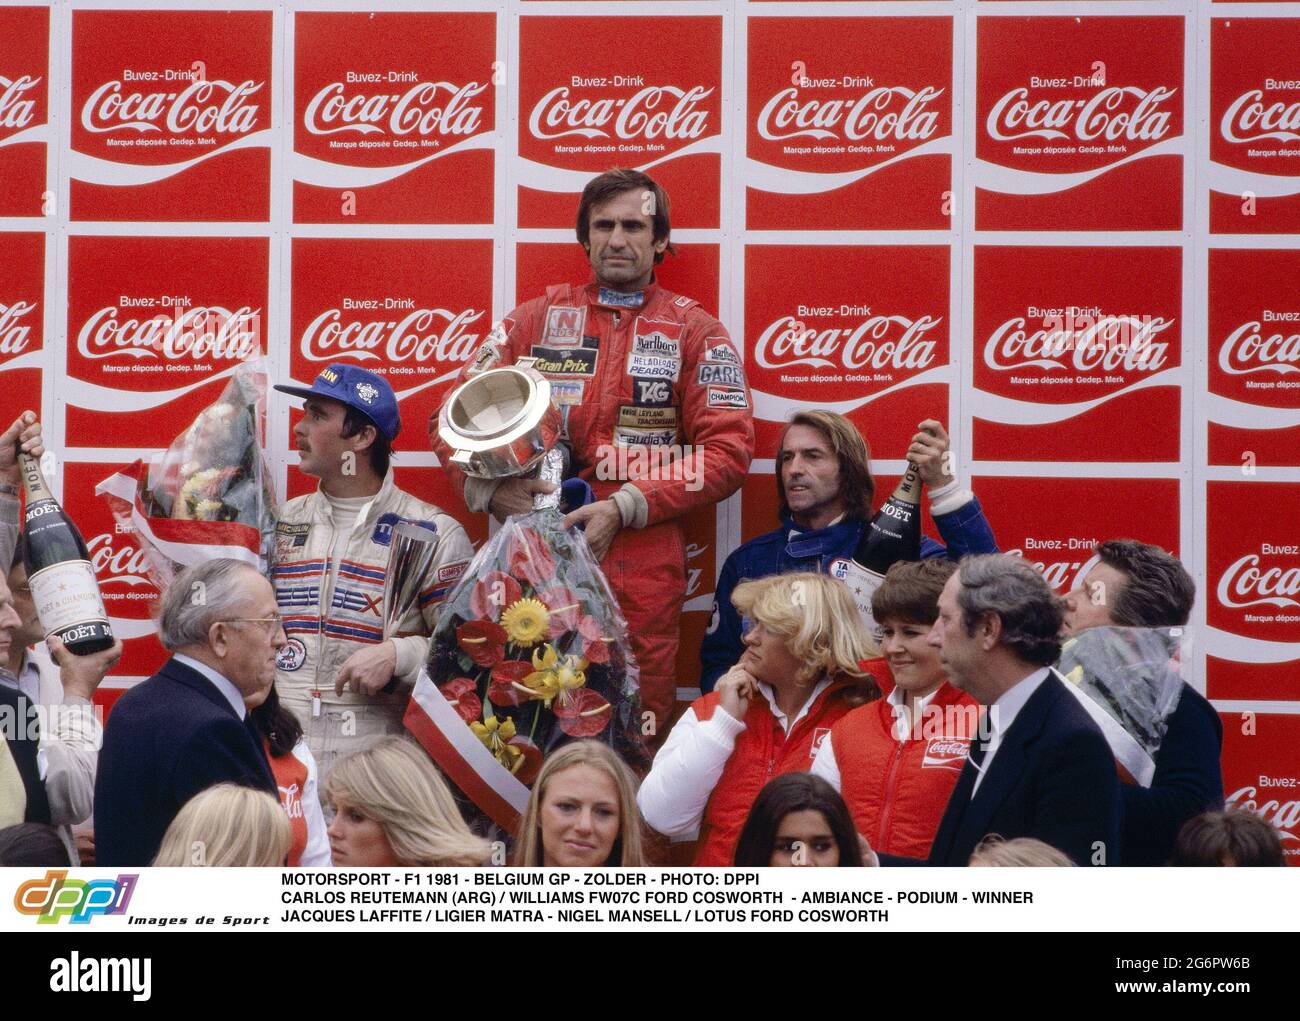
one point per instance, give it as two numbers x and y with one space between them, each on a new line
1039 767
186 728
1134 584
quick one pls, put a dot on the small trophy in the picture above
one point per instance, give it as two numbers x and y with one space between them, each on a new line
409 555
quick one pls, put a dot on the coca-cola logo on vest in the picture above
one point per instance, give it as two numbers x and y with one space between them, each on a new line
602 91
389 306
24 99
840 111
168 109
1072 115
393 116
154 327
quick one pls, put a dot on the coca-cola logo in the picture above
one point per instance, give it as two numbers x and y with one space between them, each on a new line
1281 815
203 331
125 565
656 111
882 114
1247 350
428 108
1112 114
422 335
1245 584
694 574
15 110
1060 575
291 799
1106 343
15 334
1248 119
218 107
878 342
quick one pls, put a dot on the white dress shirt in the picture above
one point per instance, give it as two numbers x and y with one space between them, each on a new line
1002 714
227 689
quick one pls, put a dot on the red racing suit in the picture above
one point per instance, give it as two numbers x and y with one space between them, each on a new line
638 376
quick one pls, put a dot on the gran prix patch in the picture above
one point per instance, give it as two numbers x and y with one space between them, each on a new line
577 361
564 326
567 391
647 418
653 366
721 352
652 393
645 437
722 397
292 656
710 373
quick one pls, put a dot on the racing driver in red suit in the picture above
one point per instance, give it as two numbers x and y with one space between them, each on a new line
641 375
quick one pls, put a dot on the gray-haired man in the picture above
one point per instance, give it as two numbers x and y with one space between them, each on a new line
184 729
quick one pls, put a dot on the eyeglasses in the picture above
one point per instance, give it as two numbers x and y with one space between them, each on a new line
275 620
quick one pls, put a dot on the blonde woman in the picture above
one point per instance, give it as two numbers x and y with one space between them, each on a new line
392 807
800 673
227 826
582 811
1022 852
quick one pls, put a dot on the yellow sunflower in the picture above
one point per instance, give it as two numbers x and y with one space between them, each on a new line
526 621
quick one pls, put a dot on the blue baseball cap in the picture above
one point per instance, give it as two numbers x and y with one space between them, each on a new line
358 388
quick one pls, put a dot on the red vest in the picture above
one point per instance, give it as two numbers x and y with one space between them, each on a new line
291 777
763 750
897 790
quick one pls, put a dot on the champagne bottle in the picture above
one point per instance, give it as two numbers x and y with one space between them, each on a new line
59 571
893 534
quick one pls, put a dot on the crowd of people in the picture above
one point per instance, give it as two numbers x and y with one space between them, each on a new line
273 733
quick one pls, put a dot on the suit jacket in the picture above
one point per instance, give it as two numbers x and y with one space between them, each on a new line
166 740
1188 781
1053 778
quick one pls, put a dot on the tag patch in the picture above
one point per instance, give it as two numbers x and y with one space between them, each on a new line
721 397
721 352
564 326
567 391
575 361
654 366
292 656
652 393
647 418
645 437
709 373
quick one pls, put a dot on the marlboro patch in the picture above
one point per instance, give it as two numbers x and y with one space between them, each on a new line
564 326
721 351
647 418
721 397
577 361
659 339
710 374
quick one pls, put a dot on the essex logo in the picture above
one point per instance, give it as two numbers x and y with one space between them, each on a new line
56 896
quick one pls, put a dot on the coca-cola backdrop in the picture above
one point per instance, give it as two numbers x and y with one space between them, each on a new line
1070 233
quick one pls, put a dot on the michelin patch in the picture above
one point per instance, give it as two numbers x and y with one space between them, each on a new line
653 366
710 374
652 393
647 418
721 351
571 361
564 326
567 391
383 533
292 656
289 537
722 397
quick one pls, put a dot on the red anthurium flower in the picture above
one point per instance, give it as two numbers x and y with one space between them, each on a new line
493 593
462 693
584 713
506 675
529 558
483 641
531 762
596 652
565 608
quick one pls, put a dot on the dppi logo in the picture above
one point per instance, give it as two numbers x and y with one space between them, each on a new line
1245 350
15 111
874 114
1247 119
1102 116
639 115
218 107
56 896
418 110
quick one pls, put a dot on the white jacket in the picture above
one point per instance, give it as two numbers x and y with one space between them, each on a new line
326 627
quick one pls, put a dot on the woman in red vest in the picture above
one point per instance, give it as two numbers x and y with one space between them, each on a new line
896 762
295 774
798 676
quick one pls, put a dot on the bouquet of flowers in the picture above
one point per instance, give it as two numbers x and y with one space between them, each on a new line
1129 679
209 494
530 652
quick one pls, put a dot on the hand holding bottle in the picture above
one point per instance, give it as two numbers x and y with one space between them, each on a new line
929 451
25 435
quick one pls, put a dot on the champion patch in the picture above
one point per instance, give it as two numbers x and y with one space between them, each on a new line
292 656
652 393
647 418
722 397
564 326
653 366
567 391
709 373
721 352
576 361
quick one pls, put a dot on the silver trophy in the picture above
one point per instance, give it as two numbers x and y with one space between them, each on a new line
502 424
410 553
